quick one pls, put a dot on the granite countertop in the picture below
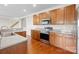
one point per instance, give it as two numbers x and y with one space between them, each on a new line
68 34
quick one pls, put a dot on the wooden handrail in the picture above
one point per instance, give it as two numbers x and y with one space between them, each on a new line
14 24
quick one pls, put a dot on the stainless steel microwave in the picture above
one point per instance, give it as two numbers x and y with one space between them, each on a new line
45 22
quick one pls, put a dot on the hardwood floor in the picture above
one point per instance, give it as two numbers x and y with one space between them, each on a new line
37 47
33 47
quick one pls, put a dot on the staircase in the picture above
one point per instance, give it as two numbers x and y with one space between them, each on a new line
14 24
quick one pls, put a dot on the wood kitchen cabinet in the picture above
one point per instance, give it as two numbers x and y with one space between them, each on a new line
66 42
64 15
61 42
53 16
57 16
36 20
35 34
70 43
60 16
44 15
56 40
70 14
53 38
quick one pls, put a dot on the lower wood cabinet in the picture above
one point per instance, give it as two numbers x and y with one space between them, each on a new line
35 34
52 38
55 39
70 43
66 42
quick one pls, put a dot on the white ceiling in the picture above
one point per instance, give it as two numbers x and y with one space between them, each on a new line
17 10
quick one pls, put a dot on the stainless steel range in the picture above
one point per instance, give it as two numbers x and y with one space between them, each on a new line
44 34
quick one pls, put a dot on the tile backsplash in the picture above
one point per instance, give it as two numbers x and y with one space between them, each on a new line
64 28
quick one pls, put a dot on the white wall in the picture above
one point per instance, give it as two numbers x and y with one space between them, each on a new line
29 24
18 25
6 21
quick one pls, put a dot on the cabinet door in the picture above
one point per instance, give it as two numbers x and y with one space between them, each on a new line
59 41
67 43
52 38
53 16
56 40
70 14
36 20
35 34
62 42
43 15
60 16
70 44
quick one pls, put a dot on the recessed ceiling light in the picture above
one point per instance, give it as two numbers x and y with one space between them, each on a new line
24 10
5 4
34 5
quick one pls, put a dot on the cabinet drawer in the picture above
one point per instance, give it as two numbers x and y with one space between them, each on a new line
35 34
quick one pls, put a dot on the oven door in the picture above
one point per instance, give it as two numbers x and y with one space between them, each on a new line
44 36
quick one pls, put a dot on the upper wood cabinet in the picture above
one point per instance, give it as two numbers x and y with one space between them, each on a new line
36 20
57 16
60 16
43 15
64 15
35 34
70 14
53 16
